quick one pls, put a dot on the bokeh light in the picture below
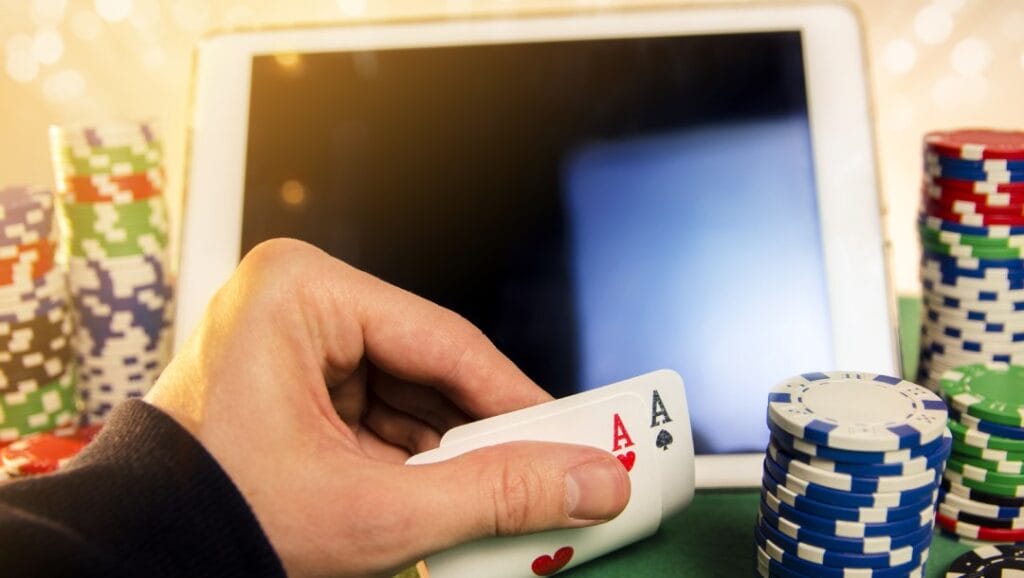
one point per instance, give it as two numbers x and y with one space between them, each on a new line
114 10
64 86
899 56
933 24
293 193
85 25
47 46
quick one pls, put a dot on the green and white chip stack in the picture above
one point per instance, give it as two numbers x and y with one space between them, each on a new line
115 245
37 389
983 487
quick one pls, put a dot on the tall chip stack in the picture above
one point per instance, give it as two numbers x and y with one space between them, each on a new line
982 496
37 388
850 477
110 184
972 232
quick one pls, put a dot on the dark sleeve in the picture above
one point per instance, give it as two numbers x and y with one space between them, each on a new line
144 499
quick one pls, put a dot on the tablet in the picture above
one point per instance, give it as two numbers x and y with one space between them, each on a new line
602 193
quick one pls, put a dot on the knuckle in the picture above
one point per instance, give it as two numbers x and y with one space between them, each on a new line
517 493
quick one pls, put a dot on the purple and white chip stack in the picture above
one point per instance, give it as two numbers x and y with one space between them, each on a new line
115 239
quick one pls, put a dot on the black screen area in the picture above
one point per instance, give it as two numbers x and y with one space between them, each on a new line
441 170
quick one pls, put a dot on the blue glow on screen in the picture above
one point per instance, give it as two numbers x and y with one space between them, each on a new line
699 250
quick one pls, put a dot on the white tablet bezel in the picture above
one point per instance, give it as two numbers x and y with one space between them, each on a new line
861 301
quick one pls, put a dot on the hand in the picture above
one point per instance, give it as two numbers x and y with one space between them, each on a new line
311 382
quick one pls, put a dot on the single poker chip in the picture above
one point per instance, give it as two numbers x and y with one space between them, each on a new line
931 156
944 261
976 144
936 223
971 251
960 515
998 466
994 198
969 295
980 474
1005 490
974 220
894 485
968 452
972 186
865 514
41 454
979 508
968 348
985 242
978 532
989 561
903 468
788 440
962 206
979 495
857 411
938 171
940 303
870 545
984 425
987 391
909 498
830 558
938 278
781 504
794 562
949 329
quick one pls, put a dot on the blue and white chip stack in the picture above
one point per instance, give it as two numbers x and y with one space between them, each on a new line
850 477
971 228
115 231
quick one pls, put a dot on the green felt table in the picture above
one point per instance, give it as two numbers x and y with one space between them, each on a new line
714 536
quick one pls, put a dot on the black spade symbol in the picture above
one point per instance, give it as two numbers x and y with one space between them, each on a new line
664 439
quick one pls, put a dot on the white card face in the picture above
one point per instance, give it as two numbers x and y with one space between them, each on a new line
667 425
615 424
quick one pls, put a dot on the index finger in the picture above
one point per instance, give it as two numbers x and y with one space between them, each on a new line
420 341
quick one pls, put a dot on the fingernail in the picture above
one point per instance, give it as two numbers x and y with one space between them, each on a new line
596 490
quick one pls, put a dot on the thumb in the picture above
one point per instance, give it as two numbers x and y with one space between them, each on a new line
514 488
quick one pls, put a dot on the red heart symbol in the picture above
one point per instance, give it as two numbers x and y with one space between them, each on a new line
627 459
545 565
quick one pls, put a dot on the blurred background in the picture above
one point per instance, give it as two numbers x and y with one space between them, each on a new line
934 64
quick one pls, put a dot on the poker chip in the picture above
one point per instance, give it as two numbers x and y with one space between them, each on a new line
977 532
989 561
851 476
976 144
947 509
115 243
44 453
857 411
979 508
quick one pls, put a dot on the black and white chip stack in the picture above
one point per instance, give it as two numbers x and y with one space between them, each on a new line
115 243
850 477
37 388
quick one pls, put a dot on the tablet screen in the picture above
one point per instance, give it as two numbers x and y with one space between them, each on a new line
599 208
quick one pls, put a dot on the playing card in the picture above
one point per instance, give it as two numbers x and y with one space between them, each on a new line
667 427
615 424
